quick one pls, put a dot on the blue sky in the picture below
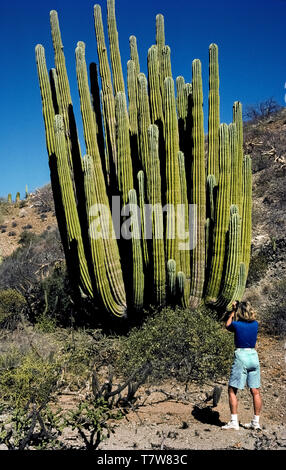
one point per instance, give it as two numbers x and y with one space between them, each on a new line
250 35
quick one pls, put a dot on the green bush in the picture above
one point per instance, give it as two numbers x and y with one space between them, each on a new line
11 303
82 350
28 384
54 305
179 343
32 379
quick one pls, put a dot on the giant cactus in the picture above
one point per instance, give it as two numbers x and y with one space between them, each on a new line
150 153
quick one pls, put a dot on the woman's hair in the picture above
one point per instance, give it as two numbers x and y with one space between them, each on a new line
244 312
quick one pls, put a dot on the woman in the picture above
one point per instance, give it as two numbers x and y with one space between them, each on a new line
245 368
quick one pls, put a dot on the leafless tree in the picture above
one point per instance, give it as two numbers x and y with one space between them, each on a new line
262 110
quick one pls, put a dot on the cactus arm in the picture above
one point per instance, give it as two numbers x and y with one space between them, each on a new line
181 284
171 270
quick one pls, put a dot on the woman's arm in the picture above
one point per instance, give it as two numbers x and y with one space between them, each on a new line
230 318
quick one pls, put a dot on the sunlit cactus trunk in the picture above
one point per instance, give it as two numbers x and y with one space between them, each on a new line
214 122
173 194
222 218
246 213
158 250
107 94
198 188
118 82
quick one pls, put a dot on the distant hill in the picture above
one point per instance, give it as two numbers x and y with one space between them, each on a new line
265 141
35 214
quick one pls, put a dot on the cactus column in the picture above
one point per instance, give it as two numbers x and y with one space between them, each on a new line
198 187
213 135
222 218
159 266
125 171
107 94
238 157
233 259
246 213
118 82
69 203
137 265
173 195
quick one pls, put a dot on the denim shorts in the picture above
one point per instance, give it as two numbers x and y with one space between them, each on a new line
245 369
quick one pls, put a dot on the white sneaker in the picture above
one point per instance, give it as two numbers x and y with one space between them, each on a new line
252 425
231 425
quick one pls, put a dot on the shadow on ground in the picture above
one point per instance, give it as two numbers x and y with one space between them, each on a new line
207 415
